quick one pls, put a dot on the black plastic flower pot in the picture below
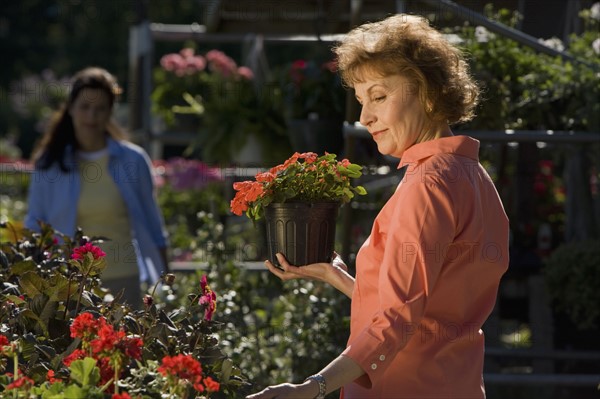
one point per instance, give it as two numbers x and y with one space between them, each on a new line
303 232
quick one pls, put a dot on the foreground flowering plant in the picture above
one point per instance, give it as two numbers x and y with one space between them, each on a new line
60 338
304 177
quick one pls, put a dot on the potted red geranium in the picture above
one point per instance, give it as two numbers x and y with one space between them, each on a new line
299 200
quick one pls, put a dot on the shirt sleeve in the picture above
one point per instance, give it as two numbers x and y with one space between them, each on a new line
422 227
148 200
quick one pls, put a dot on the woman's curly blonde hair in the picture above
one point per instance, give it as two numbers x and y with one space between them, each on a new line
407 45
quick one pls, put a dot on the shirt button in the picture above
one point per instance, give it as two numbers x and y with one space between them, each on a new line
382 358
374 366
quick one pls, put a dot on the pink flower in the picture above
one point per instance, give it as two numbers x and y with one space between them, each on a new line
208 298
220 63
173 62
79 252
299 64
184 174
331 66
194 64
245 73
187 52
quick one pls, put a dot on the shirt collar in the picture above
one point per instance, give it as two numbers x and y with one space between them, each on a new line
460 145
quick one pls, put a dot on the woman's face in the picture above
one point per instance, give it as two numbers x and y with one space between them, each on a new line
91 112
392 112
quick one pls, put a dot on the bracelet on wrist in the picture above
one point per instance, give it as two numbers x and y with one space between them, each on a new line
322 386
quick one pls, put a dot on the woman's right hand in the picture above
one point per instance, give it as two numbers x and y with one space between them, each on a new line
334 273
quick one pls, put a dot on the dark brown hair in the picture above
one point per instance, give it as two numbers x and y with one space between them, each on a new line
407 45
61 133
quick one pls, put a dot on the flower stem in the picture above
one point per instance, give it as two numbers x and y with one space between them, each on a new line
81 292
117 379
16 371
68 297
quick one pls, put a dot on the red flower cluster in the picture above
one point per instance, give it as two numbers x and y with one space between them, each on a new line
208 298
86 327
79 252
6 347
51 377
182 368
100 340
22 382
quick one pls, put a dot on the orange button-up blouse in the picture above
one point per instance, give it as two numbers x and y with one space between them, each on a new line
427 278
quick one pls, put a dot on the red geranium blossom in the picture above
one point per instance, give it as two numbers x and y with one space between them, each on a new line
188 369
79 252
211 385
50 377
86 327
20 383
77 354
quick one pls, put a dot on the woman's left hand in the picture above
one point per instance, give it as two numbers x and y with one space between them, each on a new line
306 390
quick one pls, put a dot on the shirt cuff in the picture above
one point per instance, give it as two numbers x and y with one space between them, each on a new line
372 355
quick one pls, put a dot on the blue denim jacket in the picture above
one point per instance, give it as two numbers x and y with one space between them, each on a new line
53 197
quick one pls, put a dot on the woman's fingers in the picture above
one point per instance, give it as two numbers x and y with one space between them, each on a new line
275 270
283 391
314 271
284 273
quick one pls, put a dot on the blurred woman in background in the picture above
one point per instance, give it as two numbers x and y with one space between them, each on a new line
88 175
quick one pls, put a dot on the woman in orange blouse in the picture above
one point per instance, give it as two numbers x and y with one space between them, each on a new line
427 276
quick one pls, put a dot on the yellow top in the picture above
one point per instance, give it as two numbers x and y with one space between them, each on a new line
101 211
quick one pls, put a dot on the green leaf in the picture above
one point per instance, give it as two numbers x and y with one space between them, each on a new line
28 348
28 313
60 289
360 190
76 392
226 368
22 267
54 391
15 299
32 284
49 311
85 372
